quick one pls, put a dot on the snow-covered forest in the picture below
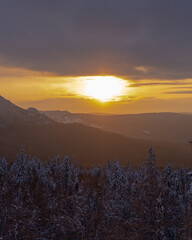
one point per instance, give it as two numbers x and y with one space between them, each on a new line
59 200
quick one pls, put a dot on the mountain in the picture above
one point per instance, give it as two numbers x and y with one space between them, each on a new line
89 146
173 127
12 114
65 117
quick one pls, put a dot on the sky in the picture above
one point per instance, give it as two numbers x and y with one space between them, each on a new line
136 55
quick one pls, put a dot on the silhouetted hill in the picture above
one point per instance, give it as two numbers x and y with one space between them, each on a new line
88 146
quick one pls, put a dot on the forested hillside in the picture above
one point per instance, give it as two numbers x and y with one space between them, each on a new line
59 200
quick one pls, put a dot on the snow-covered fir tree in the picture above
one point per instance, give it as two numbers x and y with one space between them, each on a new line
60 200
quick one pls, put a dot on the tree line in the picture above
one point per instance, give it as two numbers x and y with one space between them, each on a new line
62 201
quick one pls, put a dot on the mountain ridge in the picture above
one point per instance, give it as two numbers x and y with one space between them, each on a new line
11 114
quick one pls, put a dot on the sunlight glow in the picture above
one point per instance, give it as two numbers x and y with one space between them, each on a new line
104 88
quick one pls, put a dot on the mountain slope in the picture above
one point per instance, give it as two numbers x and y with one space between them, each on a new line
12 114
88 146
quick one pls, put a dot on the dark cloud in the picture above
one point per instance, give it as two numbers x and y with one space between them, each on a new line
160 83
87 37
179 92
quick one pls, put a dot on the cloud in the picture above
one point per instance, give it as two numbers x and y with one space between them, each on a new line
142 69
98 37
162 83
179 92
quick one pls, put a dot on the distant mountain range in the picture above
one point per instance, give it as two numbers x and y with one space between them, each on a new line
45 136
174 127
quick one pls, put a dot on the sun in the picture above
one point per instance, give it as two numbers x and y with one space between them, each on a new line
104 88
